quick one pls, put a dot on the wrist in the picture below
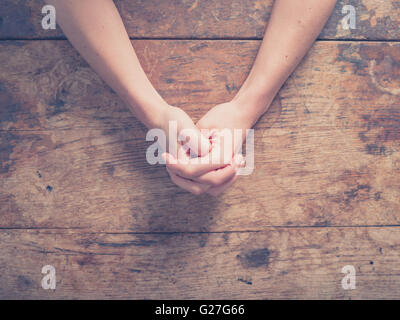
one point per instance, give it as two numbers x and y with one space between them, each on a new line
151 113
253 101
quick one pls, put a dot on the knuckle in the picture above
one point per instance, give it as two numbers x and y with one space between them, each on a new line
216 181
188 171
224 178
197 192
181 171
171 167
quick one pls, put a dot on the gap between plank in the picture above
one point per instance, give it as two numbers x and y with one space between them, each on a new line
207 39
87 230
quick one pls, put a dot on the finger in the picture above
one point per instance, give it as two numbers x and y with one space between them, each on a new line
191 186
220 176
238 162
190 168
217 177
193 140
216 191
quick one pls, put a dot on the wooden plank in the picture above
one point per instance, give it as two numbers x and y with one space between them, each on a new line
72 156
206 19
46 85
279 263
102 181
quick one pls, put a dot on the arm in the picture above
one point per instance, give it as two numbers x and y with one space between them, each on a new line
293 27
96 30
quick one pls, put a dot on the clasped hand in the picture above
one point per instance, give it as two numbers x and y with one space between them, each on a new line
194 167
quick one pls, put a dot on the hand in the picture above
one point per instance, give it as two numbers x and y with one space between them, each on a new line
230 115
198 178
185 128
194 174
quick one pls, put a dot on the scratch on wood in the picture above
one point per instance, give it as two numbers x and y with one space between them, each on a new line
194 5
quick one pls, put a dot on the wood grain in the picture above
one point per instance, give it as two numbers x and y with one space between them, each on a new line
73 156
77 193
278 263
232 19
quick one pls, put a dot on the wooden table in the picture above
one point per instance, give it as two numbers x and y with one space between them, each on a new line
77 193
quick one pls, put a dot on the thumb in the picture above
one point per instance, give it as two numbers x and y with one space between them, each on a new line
192 138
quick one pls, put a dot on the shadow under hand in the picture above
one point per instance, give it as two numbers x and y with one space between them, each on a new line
156 203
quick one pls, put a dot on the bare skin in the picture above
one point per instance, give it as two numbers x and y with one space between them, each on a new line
96 30
292 29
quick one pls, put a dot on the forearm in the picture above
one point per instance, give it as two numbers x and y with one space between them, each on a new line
293 27
96 30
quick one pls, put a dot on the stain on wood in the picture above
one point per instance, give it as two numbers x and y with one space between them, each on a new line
255 258
231 19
